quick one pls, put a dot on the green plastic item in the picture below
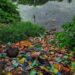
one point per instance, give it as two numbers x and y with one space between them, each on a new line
35 63
66 61
58 59
2 55
41 57
9 43
26 55
52 68
15 63
33 72
39 47
65 57
73 65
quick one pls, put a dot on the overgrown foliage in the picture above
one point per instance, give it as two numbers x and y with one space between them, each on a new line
8 12
19 31
67 37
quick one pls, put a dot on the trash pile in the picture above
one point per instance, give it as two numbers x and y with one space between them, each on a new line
36 56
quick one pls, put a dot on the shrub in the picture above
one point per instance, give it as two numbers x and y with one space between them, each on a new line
67 37
8 12
19 31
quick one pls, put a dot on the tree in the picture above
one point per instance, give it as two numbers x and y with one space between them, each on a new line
8 12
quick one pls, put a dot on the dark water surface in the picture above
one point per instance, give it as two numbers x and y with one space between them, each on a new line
51 15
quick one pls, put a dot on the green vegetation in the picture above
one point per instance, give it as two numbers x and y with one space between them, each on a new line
19 31
37 2
33 2
11 28
8 12
67 37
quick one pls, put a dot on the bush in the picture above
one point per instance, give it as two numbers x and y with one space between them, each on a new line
63 39
67 37
19 31
8 12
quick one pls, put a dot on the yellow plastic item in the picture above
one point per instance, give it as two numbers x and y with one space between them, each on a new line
22 60
30 63
55 71
9 73
45 56
58 66
42 67
40 73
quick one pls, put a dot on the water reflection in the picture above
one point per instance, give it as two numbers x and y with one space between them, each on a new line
51 15
37 2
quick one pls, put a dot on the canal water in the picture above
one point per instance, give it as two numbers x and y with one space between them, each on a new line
52 14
